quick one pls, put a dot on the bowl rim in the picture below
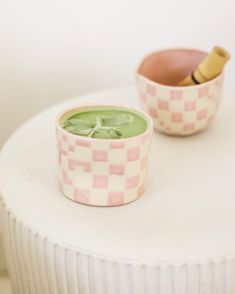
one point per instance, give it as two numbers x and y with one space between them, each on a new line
147 117
138 75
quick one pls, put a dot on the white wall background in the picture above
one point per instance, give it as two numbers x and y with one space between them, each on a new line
53 49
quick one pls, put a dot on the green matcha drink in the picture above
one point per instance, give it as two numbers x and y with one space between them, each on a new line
105 123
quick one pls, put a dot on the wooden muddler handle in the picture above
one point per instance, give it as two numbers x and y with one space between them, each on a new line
208 69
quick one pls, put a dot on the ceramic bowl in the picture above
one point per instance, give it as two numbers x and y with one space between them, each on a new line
102 172
177 110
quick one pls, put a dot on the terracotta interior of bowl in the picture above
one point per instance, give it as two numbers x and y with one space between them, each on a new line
170 66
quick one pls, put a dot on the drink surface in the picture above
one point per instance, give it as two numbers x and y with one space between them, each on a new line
105 123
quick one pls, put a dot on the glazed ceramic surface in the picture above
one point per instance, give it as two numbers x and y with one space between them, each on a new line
102 172
177 110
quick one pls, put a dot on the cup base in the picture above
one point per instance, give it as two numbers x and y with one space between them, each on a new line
139 193
183 134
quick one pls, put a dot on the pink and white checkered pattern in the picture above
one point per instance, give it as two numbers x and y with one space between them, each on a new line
180 110
102 172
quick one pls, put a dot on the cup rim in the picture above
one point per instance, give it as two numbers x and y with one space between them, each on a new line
137 74
149 128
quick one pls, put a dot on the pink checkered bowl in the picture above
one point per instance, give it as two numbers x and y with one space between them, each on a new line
102 172
177 110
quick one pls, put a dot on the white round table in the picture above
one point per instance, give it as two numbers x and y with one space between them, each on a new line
178 238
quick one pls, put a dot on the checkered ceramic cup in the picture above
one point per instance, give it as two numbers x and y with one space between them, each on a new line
102 172
177 110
